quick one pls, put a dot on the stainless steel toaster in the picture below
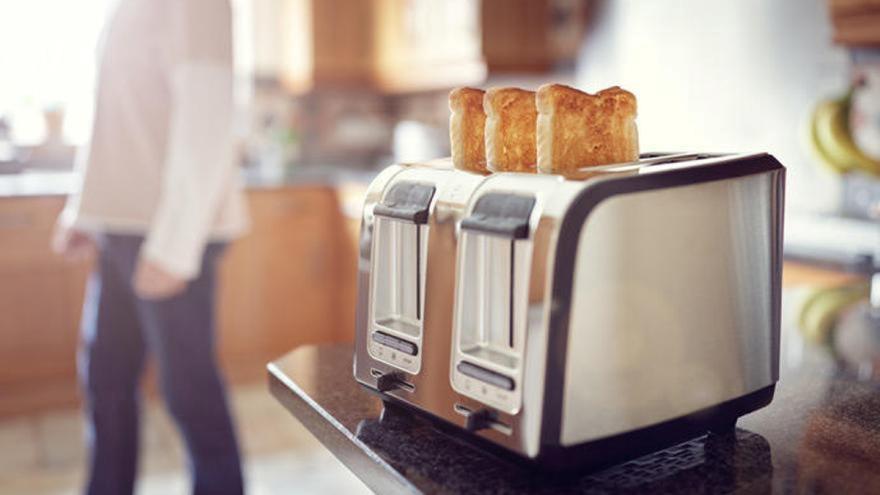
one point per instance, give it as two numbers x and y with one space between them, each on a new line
575 320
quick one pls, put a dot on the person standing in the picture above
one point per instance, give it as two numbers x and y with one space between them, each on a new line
160 196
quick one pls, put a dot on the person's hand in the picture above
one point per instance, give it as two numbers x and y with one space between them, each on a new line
73 244
153 282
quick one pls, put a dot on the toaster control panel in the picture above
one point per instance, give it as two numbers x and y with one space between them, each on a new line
487 386
395 343
394 351
484 375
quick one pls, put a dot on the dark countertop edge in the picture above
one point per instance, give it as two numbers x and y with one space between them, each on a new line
371 469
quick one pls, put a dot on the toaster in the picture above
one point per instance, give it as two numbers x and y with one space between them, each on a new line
574 320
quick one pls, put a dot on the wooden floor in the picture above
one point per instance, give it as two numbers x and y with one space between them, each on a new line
44 453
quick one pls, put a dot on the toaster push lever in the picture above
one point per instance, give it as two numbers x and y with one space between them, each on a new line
392 381
501 214
482 419
407 201
479 420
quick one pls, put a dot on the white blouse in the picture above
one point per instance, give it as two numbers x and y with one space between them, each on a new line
161 160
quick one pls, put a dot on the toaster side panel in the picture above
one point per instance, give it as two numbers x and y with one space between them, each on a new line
673 305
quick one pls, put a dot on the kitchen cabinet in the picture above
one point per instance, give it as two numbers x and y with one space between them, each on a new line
533 36
287 283
856 23
390 46
40 305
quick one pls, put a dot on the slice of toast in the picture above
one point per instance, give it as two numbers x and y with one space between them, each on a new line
577 129
510 130
466 128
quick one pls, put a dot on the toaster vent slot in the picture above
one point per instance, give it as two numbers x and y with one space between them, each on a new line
653 159
512 277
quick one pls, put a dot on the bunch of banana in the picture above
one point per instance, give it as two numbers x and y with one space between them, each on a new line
821 309
832 142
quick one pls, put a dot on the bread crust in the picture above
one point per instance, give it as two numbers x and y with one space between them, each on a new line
577 129
510 130
466 129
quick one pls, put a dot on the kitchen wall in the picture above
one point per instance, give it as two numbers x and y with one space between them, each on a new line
732 76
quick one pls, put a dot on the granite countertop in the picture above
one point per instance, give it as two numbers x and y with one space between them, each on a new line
820 434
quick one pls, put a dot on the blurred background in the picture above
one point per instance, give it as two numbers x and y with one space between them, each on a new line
331 91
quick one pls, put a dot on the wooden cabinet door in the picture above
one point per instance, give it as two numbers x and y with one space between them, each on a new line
279 285
288 282
40 306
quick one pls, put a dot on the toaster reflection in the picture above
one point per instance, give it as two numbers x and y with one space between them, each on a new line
709 464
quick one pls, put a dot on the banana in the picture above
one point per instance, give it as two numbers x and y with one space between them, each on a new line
842 138
820 310
822 113
832 135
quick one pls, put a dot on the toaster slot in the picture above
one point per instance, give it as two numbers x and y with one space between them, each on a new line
397 288
487 298
492 298
399 260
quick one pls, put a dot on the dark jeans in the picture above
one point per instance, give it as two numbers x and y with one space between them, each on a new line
119 330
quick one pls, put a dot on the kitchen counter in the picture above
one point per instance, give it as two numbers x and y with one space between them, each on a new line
26 184
820 434
62 183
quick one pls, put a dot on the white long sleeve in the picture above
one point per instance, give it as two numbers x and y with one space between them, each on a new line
199 167
160 163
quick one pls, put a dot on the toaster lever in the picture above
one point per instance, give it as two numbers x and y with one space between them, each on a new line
392 381
407 201
501 214
482 419
479 420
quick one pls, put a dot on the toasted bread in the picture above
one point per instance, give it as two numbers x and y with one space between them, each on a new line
577 129
510 130
466 128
